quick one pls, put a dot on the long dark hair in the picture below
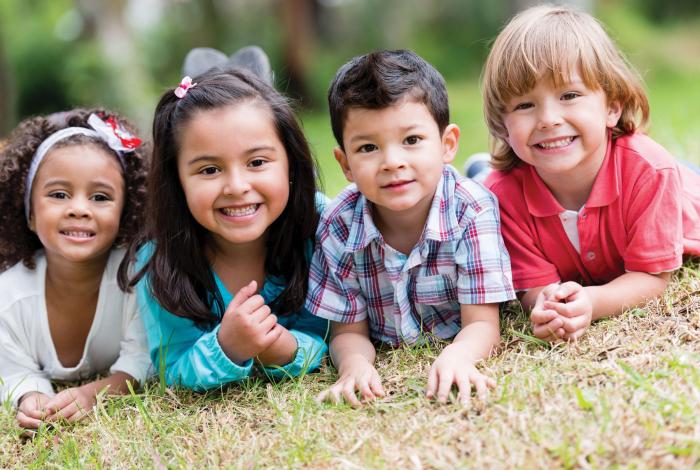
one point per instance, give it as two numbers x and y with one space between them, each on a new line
178 273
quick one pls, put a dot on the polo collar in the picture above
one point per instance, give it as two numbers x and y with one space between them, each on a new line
606 187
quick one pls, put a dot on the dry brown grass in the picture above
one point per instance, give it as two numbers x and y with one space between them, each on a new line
628 394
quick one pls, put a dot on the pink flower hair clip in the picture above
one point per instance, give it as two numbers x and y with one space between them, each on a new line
184 87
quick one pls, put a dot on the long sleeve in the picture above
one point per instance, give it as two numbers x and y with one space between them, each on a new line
310 332
133 355
183 353
19 372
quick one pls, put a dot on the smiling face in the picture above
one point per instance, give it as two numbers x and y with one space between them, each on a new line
561 130
76 203
234 172
395 155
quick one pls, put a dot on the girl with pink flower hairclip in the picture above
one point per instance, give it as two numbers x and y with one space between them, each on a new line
72 191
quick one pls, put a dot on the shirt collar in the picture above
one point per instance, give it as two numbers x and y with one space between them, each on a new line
441 223
541 202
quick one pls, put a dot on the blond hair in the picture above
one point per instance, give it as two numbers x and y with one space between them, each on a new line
551 41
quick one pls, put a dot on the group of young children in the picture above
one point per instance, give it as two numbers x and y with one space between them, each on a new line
212 256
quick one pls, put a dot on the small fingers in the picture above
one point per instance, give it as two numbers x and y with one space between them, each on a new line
375 384
566 290
464 388
542 315
27 422
349 394
445 381
431 387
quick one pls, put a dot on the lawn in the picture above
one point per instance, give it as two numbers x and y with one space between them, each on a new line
627 394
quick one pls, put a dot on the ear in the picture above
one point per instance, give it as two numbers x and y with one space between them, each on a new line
32 222
614 113
450 143
342 160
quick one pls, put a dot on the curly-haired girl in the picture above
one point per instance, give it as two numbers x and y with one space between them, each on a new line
72 190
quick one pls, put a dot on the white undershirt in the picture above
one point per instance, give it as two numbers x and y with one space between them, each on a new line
569 220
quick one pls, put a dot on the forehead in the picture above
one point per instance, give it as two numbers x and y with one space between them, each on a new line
398 116
229 127
79 162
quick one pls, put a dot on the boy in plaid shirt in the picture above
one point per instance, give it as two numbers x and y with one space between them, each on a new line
411 247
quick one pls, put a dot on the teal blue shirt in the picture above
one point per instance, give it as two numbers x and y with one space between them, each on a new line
193 358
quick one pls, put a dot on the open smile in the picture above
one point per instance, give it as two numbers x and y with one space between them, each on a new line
78 235
240 211
555 144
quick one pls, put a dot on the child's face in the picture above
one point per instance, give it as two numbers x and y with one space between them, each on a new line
76 203
561 130
395 155
234 172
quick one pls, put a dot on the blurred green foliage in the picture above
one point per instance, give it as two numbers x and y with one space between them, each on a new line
56 57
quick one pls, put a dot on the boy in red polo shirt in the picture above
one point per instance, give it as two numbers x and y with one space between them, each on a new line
595 215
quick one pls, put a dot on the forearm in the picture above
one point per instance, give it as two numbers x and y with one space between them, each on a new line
348 344
280 352
114 384
480 334
629 290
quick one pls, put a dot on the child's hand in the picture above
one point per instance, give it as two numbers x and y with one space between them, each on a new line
71 404
546 322
573 304
455 366
359 375
248 326
32 409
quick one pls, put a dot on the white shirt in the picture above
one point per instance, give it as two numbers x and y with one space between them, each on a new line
28 359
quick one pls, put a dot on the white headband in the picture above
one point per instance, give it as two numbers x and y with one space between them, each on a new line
108 131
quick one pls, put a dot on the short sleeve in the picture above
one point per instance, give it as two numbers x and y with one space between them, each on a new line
483 265
654 221
334 291
530 267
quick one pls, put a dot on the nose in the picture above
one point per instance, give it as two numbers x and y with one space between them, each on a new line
237 183
393 159
548 116
79 208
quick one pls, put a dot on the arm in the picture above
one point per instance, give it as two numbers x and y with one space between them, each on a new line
75 403
308 334
478 337
353 354
183 353
565 311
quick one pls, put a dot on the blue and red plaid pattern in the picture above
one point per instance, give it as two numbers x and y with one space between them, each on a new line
460 259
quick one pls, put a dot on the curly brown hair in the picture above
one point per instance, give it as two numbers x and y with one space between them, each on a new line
17 241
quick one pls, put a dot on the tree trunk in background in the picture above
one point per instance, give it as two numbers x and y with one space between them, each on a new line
105 19
7 114
299 36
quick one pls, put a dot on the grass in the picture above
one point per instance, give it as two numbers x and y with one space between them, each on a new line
626 395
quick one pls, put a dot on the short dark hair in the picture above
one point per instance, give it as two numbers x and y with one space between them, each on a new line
382 78
179 273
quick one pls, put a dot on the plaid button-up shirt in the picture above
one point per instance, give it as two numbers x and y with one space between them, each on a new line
459 259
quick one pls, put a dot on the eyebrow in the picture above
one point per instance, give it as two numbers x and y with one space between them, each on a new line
212 158
59 182
403 130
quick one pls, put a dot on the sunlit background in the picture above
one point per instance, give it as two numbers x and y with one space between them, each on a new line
121 54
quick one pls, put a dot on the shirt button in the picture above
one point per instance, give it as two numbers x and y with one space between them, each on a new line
590 255
584 215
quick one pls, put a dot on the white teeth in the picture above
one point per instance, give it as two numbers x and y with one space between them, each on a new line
556 143
240 211
78 234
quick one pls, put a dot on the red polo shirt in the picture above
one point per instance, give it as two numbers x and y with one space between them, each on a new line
643 214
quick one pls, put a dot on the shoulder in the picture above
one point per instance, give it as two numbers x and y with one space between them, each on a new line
641 152
19 282
339 214
464 196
